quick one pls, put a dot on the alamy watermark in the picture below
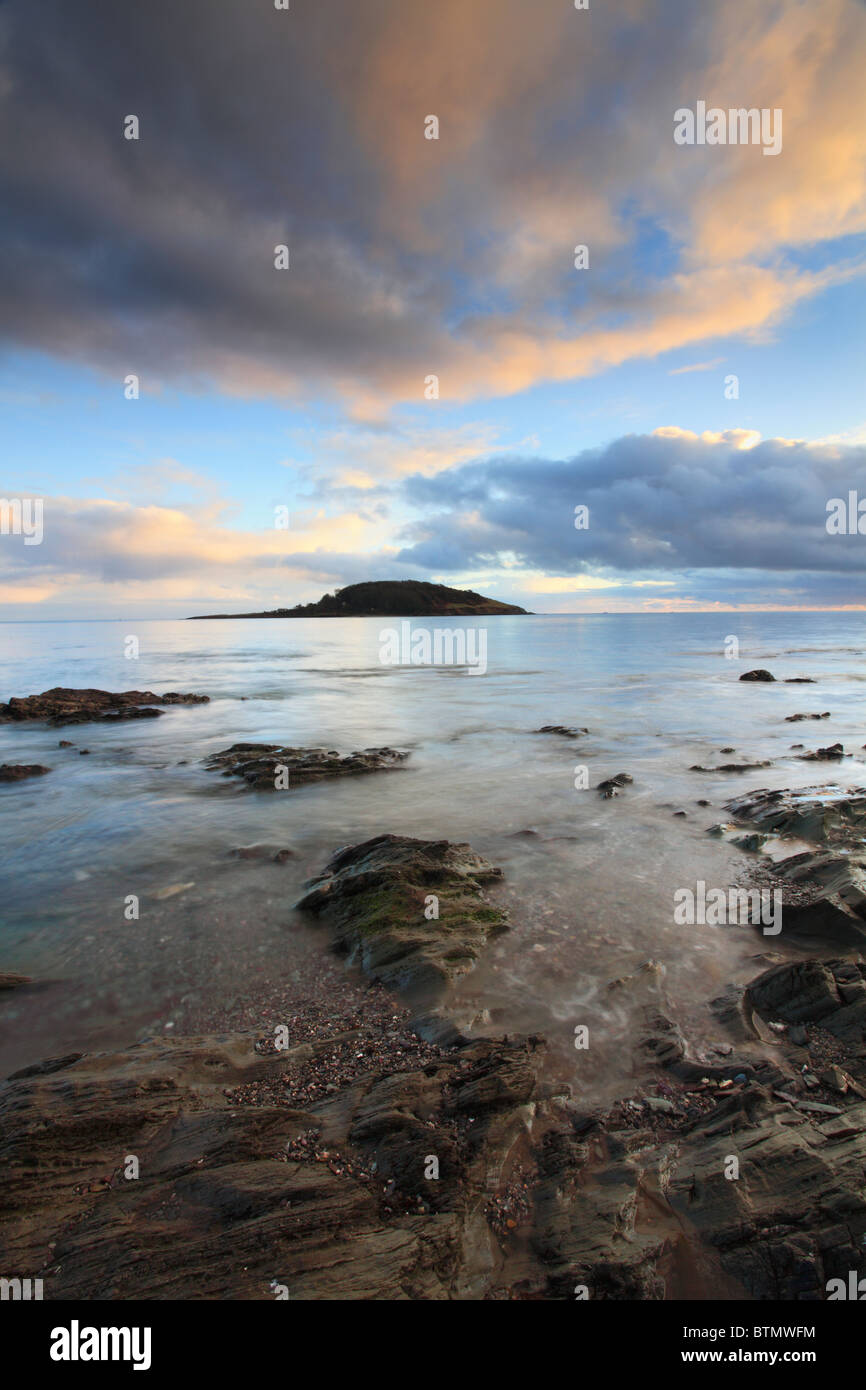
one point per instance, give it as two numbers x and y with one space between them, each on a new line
444 646
22 516
736 126
718 907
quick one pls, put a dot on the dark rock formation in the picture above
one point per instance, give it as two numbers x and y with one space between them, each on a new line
795 718
564 729
612 786
61 706
17 772
824 755
259 763
824 890
829 992
729 767
376 896
276 853
758 675
236 1196
265 1173
822 814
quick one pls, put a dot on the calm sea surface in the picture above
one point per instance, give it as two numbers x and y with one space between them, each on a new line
589 888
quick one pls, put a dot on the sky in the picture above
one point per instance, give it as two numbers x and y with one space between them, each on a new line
437 379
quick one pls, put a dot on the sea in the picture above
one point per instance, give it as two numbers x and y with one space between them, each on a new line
588 882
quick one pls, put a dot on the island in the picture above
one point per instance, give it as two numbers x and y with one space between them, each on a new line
387 598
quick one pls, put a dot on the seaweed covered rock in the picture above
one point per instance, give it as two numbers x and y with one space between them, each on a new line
410 912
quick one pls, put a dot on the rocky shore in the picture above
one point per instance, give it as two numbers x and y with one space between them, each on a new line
368 1143
391 1156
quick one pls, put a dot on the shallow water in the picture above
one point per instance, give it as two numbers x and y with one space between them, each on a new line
590 892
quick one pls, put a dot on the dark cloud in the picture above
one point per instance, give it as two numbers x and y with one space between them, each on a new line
660 504
306 127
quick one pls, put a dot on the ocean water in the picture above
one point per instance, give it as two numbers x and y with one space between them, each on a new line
589 883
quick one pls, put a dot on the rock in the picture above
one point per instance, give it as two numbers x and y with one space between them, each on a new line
799 680
374 897
171 891
65 706
46 1067
795 718
809 813
660 1105
18 772
273 852
758 675
9 980
822 755
259 763
64 743
611 787
835 1079
831 993
753 842
729 767
236 1192
563 729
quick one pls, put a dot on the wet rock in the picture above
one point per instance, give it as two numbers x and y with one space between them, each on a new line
9 980
799 680
260 764
829 992
172 890
613 785
18 772
753 842
62 705
238 1192
275 853
46 1067
374 896
758 675
795 718
811 813
824 755
565 730
729 767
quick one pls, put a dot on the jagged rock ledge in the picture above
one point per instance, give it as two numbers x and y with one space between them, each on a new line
468 1174
823 889
260 764
61 705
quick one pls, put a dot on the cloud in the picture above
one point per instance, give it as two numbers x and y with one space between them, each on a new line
718 519
671 502
412 257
